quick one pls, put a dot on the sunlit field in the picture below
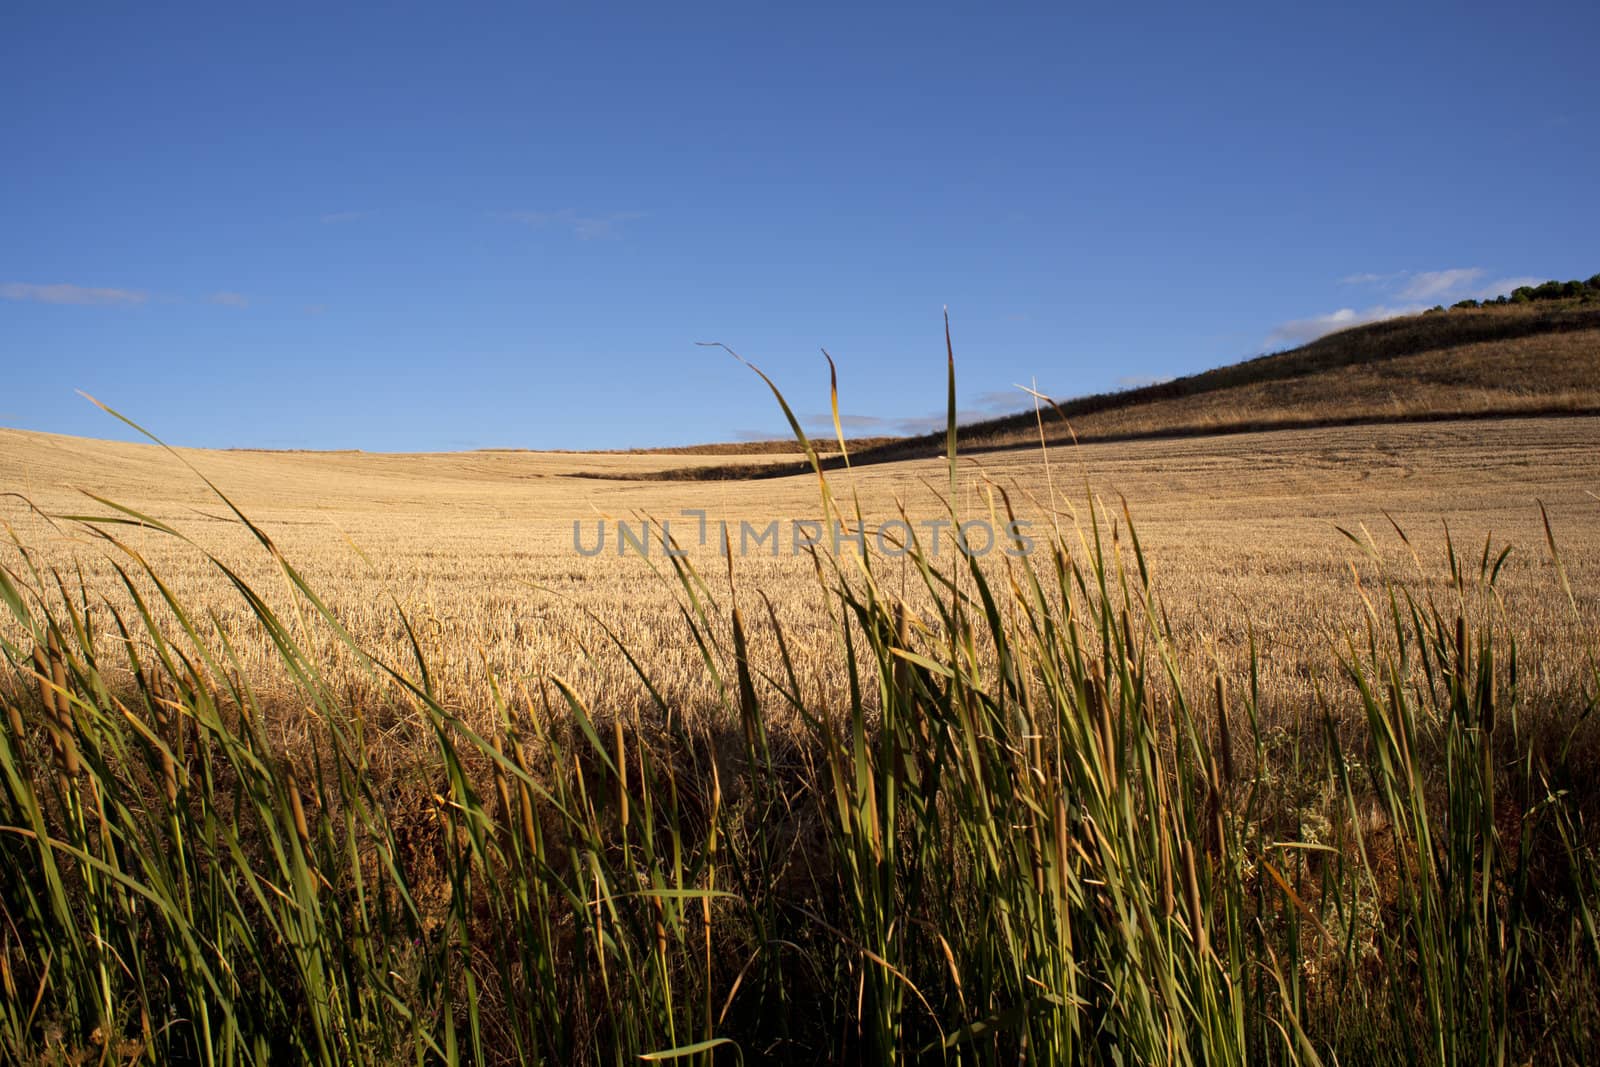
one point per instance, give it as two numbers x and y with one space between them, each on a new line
1271 746
478 548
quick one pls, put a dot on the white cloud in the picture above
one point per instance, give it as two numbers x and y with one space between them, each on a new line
1300 331
71 294
1439 285
1139 381
1411 291
229 299
583 227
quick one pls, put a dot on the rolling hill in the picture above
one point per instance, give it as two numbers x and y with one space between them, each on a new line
1539 357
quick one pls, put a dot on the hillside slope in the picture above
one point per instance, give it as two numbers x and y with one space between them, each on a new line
1538 359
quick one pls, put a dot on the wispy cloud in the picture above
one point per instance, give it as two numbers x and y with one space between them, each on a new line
71 294
1139 381
229 299
1300 331
1407 292
583 227
1371 279
1439 284
334 218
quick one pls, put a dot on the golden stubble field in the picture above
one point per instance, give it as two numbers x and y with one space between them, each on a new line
478 549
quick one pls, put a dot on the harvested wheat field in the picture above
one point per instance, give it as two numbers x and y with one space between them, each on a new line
481 548
1257 745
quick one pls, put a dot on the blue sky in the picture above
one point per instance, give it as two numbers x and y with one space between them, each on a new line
441 227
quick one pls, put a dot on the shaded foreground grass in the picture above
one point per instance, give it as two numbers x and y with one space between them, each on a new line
1025 836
